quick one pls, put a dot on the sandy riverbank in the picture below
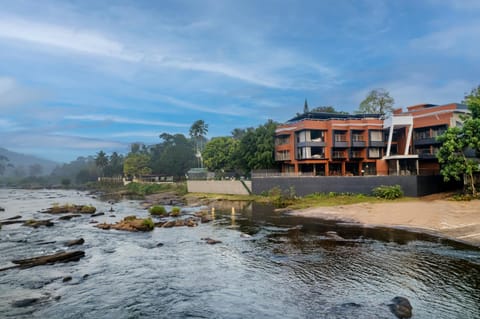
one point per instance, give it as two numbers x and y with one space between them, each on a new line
455 219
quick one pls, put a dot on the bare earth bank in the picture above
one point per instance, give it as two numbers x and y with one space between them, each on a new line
454 219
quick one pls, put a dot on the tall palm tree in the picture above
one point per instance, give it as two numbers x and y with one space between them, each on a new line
197 132
101 160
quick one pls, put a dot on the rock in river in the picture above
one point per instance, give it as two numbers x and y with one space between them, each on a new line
401 307
130 223
70 209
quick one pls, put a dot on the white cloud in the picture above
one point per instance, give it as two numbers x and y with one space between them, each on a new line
82 41
135 134
12 94
26 140
418 89
120 119
461 40
264 68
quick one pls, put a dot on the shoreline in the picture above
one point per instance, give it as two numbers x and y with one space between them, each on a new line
453 220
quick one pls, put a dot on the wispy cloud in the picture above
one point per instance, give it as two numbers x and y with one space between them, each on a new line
457 40
26 140
120 119
163 55
81 41
13 94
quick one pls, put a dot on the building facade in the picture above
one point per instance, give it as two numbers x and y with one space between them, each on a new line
330 144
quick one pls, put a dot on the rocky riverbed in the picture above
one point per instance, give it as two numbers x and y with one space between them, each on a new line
239 261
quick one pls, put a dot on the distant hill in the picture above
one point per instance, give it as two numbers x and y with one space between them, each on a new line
27 165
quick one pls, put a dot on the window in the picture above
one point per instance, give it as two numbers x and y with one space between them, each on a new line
282 156
282 140
374 152
376 136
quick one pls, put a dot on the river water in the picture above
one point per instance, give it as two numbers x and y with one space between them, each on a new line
288 268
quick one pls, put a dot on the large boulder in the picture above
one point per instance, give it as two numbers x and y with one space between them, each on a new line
401 307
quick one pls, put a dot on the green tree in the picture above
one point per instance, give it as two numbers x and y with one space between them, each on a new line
238 133
461 144
136 164
197 132
377 101
101 161
115 165
257 147
219 153
174 156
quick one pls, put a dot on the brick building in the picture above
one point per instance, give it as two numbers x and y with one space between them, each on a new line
330 144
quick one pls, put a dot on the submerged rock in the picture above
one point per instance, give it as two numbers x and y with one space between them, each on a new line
401 307
74 242
37 223
98 214
68 217
24 302
66 278
211 241
333 235
60 257
70 209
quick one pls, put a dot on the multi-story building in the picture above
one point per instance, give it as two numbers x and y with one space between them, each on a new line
329 144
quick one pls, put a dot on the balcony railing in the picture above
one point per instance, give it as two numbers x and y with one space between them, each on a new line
339 154
282 156
340 140
313 156
356 154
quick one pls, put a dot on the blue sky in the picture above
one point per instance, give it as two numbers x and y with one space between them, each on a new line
80 76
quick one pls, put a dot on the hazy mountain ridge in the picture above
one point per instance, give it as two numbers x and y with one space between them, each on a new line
22 163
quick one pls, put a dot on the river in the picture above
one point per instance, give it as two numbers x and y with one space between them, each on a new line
288 268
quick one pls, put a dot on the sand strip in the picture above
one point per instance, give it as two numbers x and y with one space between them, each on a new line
454 219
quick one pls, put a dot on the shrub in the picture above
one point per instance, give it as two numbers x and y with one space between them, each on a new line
130 218
88 209
175 211
388 192
148 223
157 210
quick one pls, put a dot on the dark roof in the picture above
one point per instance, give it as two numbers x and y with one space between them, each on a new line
330 116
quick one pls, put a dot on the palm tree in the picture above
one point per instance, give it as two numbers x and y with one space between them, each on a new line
101 160
197 132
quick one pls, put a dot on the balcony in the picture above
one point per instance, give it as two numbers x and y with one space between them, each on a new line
313 156
376 144
282 156
358 140
313 143
426 141
356 154
425 154
340 140
339 155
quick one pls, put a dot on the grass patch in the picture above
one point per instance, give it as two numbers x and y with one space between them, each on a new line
157 210
148 223
388 192
175 212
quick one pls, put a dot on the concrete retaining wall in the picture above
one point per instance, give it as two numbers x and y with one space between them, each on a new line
219 187
411 185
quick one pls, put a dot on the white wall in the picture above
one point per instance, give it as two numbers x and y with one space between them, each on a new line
219 187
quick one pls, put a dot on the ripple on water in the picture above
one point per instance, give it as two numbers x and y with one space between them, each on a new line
283 271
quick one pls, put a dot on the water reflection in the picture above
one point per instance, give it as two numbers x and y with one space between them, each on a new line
287 267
